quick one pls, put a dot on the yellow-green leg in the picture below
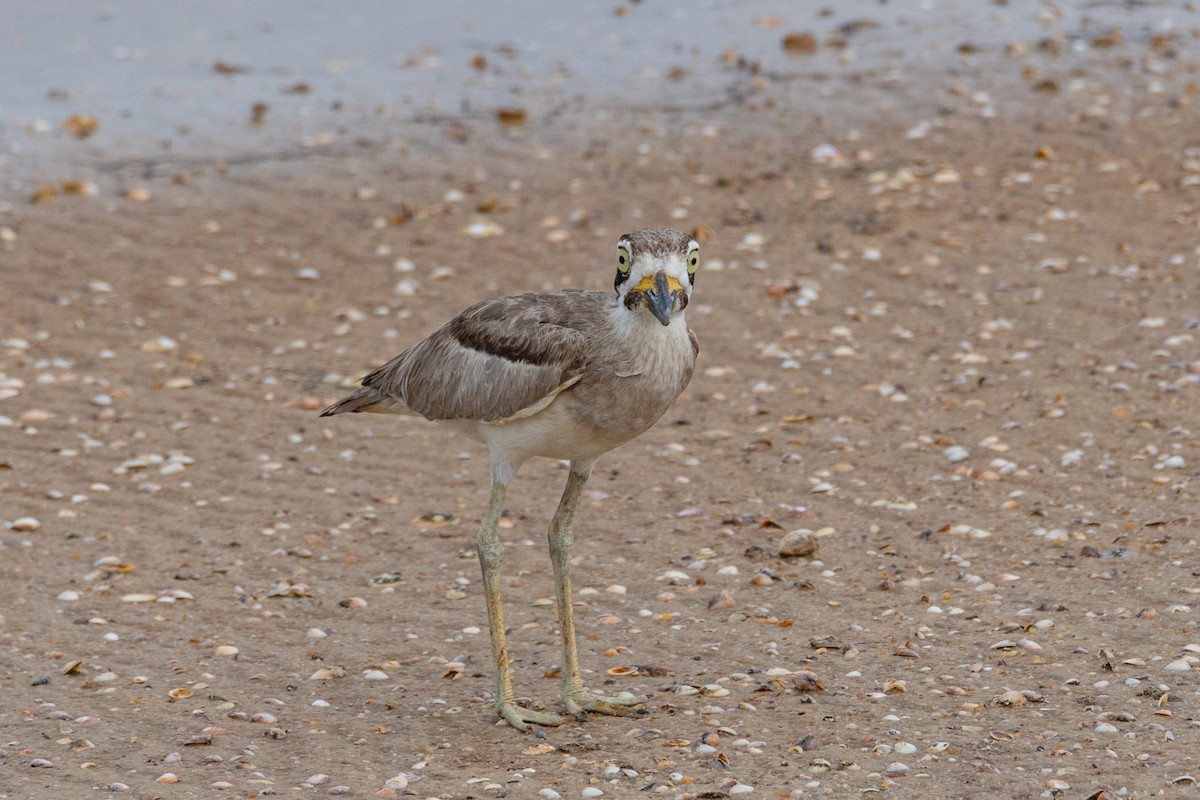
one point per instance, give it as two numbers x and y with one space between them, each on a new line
490 555
577 698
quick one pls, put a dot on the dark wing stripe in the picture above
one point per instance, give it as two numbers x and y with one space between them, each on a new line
518 339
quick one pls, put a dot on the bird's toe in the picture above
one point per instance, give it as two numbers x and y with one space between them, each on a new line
523 719
579 703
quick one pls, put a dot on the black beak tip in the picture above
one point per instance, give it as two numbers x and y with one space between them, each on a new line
661 299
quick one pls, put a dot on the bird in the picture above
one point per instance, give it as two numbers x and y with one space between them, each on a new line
568 375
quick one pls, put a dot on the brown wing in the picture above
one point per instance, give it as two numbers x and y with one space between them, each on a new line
491 362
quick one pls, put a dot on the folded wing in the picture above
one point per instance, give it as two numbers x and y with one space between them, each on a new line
501 359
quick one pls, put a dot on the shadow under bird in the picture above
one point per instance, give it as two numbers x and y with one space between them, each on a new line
568 375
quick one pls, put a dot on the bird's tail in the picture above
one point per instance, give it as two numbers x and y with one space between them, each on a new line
367 398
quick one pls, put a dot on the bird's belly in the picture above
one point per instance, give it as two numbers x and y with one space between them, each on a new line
467 427
554 432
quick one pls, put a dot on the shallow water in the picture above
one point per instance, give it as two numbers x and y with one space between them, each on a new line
182 81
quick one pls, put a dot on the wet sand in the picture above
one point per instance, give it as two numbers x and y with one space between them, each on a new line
948 317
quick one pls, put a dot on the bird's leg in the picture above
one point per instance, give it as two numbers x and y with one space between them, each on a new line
561 537
490 553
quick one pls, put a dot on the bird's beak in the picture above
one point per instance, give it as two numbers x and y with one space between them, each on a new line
661 291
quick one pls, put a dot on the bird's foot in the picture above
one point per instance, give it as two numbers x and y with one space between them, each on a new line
523 718
581 700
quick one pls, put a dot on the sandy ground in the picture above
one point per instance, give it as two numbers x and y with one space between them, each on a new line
959 347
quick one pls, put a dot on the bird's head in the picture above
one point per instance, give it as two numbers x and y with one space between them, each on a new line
656 269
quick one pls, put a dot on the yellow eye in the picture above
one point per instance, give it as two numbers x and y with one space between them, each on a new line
693 260
624 262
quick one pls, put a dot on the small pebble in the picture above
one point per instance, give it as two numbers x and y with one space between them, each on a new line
26 524
327 673
479 230
956 453
798 544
